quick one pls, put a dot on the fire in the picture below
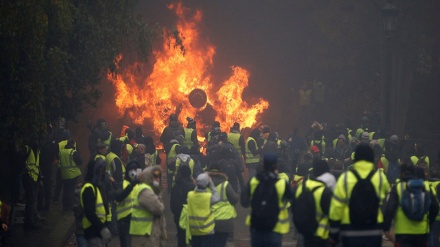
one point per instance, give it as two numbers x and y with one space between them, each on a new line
178 69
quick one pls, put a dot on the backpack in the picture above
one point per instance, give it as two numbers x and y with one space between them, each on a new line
184 163
393 171
264 204
415 200
423 164
304 211
364 202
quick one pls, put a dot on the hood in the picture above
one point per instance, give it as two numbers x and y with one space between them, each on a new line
328 179
217 177
183 157
202 181
147 177
98 172
265 176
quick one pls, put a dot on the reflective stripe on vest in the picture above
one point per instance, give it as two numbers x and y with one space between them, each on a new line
403 225
68 167
251 158
141 219
200 215
283 224
99 206
124 208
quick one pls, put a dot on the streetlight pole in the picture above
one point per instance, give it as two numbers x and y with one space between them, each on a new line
389 15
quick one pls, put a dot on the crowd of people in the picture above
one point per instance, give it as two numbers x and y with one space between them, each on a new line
339 186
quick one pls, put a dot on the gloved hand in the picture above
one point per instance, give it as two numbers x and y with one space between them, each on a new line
106 234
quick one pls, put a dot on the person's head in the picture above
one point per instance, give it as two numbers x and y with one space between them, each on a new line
202 181
140 149
365 137
394 139
273 136
364 152
341 140
317 135
222 137
236 127
270 162
116 147
152 176
215 124
420 173
320 167
101 123
316 153
139 132
266 131
131 170
191 123
173 118
255 133
101 148
407 170
99 172
130 134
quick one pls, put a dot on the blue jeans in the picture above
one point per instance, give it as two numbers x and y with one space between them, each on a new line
80 241
265 238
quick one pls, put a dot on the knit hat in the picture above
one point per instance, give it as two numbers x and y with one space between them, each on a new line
365 136
202 181
266 129
394 139
320 167
314 149
364 152
342 137
270 161
236 126
190 120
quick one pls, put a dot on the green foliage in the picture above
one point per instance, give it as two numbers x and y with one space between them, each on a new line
54 53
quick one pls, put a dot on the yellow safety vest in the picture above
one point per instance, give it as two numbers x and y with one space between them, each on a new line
141 219
172 154
68 167
433 185
107 142
124 208
33 163
249 157
415 159
99 208
187 142
99 156
234 138
283 224
339 209
223 209
403 225
323 222
109 158
200 214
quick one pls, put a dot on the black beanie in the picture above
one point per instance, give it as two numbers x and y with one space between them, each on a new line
364 152
320 167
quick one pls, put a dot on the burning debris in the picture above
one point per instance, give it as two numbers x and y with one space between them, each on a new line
181 82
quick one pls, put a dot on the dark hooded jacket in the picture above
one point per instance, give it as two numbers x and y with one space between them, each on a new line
95 176
179 192
171 131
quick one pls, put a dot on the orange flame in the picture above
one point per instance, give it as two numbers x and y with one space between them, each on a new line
176 72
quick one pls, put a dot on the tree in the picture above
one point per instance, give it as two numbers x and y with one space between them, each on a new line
53 55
